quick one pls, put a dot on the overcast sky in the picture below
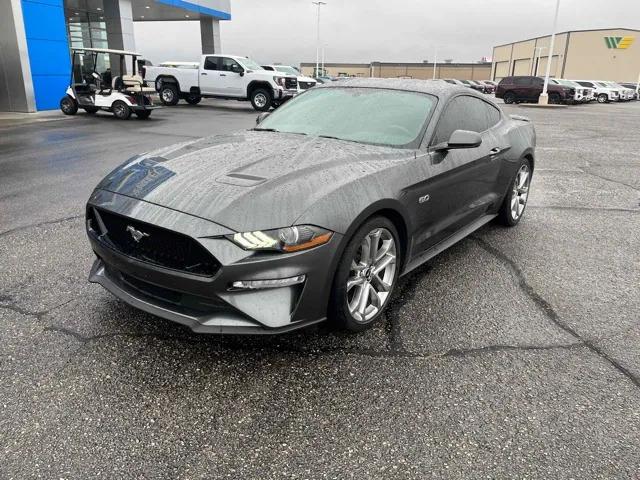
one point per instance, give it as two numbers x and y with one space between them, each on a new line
375 30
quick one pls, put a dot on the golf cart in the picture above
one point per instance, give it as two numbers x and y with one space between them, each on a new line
93 91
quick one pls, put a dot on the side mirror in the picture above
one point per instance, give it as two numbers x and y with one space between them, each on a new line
261 117
460 139
242 73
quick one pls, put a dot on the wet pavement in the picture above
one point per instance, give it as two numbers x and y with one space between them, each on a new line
515 354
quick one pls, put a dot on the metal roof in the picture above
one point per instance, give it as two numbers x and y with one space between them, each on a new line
106 50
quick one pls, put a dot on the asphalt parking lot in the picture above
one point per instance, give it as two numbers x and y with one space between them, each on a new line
515 354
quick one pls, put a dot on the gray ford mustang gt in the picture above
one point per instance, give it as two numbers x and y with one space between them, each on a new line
315 213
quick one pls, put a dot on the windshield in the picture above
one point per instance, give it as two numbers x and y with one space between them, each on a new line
249 64
366 115
285 69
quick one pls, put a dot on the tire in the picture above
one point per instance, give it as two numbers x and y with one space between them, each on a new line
68 105
169 94
512 210
121 110
603 98
261 100
91 109
509 98
193 99
554 99
355 277
143 114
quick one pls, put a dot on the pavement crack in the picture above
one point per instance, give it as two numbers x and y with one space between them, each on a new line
607 179
585 209
35 225
549 311
23 311
406 291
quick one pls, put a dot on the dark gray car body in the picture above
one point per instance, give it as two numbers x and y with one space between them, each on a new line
255 180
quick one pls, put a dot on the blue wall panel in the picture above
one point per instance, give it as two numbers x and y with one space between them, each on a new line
48 47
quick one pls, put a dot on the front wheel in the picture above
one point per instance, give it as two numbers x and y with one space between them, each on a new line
515 202
143 114
121 110
68 105
261 100
555 99
509 98
603 98
366 275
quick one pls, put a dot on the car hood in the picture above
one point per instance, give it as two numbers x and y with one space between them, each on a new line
249 180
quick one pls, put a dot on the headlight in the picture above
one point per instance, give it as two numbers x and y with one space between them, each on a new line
288 239
279 81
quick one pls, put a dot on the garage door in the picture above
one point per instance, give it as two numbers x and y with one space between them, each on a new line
502 70
555 64
522 66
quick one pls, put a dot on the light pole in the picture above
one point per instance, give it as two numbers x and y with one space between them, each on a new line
435 62
538 52
319 4
544 98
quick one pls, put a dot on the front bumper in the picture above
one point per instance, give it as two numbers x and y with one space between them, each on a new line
280 93
207 304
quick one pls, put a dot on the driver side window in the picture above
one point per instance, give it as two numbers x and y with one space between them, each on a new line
465 113
229 65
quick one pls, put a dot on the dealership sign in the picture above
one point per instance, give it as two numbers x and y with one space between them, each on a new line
619 42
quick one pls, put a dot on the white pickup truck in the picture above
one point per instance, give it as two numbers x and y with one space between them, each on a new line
221 76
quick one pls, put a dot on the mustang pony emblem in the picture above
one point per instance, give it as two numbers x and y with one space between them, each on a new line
136 234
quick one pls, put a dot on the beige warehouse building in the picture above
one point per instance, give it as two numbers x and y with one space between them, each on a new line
423 71
607 54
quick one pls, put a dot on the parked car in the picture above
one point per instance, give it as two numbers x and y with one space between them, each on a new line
223 76
626 94
581 95
313 214
528 89
489 86
303 82
602 92
634 87
94 90
473 85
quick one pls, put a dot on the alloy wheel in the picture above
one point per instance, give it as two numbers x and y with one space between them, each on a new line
372 275
167 95
520 191
260 100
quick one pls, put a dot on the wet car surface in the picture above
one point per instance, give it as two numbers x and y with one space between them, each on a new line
515 353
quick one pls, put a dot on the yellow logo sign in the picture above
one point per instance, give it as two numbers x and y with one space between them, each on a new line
619 42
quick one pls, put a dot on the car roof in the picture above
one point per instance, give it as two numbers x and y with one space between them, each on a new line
439 88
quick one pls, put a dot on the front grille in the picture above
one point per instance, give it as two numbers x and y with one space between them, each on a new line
155 245
290 83
305 85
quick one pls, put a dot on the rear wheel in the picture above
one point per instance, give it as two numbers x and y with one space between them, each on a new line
68 105
515 202
143 114
193 99
603 98
261 100
509 98
169 94
121 110
366 276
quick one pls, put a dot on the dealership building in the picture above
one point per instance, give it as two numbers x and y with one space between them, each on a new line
608 54
36 37
422 70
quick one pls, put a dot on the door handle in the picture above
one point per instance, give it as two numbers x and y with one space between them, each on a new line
495 150
223 74
203 73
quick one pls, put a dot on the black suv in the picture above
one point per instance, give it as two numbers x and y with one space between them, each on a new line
528 89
